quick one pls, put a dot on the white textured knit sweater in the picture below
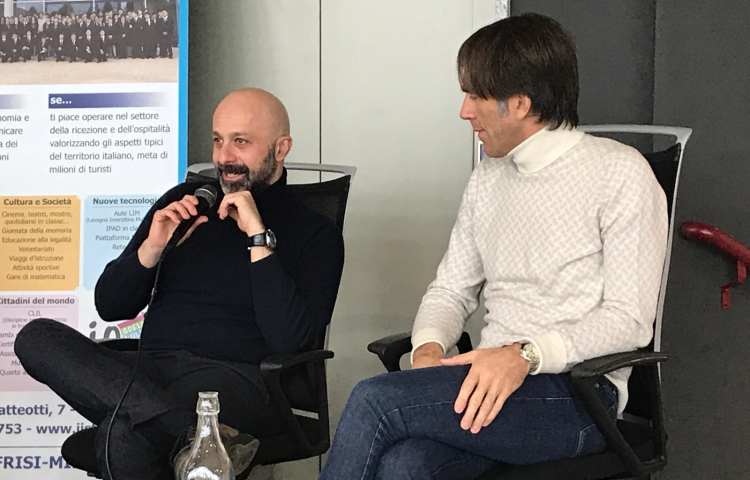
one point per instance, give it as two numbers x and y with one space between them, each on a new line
567 234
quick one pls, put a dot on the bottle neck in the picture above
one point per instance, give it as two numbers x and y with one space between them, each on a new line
208 425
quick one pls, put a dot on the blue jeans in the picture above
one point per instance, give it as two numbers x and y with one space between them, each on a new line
402 425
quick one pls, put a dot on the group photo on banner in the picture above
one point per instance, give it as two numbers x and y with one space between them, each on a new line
77 33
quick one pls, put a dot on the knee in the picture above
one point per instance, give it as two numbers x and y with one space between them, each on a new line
370 394
376 387
373 399
32 341
363 390
31 336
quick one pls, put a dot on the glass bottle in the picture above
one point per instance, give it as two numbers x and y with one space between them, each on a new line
207 460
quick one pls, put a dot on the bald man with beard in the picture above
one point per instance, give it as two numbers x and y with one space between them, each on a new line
257 274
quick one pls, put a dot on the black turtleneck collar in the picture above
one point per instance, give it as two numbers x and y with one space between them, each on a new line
273 191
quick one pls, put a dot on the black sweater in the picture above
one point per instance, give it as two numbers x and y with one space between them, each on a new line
212 301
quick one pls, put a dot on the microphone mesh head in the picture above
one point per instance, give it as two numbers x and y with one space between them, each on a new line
208 193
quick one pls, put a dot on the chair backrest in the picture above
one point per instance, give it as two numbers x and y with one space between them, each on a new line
325 197
666 164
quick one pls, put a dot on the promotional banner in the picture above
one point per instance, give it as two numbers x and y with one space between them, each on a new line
92 132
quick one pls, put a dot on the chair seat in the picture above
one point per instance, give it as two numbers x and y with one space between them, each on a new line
587 467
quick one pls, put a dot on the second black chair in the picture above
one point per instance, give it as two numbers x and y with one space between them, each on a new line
636 444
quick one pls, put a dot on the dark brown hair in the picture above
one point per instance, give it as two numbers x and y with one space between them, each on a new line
530 55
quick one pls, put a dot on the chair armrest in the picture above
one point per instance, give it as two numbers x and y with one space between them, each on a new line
278 362
390 349
584 377
271 368
596 367
121 344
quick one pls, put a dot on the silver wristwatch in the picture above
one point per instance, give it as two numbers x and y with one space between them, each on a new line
264 239
530 354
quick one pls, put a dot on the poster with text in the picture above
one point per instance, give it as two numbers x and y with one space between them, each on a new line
93 116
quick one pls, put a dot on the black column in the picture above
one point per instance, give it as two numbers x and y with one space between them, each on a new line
615 42
702 72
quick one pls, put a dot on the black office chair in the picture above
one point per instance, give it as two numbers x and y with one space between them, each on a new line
296 382
636 444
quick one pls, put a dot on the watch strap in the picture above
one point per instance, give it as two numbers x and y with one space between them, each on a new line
257 240
264 239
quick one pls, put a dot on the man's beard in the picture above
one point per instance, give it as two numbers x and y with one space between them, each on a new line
254 182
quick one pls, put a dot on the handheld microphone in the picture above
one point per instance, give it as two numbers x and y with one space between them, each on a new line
206 199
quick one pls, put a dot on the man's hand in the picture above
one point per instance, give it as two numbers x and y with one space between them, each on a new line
427 355
494 375
241 207
163 225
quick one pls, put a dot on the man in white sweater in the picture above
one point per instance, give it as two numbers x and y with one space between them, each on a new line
566 235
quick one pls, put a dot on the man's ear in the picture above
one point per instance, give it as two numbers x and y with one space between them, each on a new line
283 145
520 106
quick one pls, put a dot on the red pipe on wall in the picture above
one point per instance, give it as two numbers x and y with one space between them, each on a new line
726 243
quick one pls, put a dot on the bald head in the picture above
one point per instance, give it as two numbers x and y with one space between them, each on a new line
264 109
251 129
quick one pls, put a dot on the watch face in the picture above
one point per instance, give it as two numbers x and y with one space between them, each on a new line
270 239
529 353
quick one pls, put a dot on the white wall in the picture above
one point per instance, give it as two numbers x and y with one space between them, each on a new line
390 103
270 44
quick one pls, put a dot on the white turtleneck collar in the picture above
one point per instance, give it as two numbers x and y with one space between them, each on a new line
543 148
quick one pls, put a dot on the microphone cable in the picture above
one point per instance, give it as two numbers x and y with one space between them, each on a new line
132 377
207 195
